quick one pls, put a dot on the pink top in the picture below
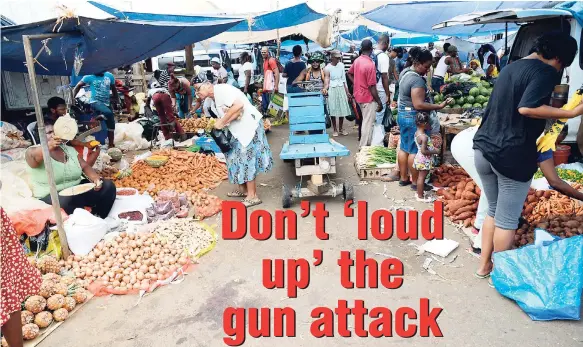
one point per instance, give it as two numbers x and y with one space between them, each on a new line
364 72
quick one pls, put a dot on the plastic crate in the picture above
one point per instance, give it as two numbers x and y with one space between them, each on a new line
367 174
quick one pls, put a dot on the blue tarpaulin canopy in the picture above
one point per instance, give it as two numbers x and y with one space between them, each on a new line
251 28
360 33
102 44
421 16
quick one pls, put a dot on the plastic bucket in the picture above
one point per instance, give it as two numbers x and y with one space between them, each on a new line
561 155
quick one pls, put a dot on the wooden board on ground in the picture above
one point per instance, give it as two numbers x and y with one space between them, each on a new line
373 173
47 331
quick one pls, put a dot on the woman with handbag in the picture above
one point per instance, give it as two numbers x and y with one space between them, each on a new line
249 152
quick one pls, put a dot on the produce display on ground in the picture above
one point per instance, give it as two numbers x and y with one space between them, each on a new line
375 156
551 203
107 172
192 125
562 226
168 204
205 205
186 234
184 171
572 176
57 298
129 262
467 95
460 195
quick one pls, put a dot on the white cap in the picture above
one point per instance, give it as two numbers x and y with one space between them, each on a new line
216 60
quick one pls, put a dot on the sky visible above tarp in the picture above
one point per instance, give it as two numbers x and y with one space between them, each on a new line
420 16
102 44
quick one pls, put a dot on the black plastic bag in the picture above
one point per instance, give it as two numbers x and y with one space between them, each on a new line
388 121
223 139
328 122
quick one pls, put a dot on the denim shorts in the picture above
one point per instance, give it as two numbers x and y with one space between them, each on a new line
407 127
102 109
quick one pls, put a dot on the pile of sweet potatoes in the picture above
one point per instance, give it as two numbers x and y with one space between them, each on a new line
461 201
562 226
448 176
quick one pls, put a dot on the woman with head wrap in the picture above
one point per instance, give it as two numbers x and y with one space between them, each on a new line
476 67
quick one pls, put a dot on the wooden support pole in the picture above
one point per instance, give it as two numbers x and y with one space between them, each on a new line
189 57
26 41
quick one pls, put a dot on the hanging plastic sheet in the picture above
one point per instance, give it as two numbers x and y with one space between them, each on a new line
545 280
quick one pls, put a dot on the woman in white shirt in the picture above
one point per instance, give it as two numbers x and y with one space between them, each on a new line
250 153
246 74
337 90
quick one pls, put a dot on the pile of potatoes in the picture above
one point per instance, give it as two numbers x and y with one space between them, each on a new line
562 226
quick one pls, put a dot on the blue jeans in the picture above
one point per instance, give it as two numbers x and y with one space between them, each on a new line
102 109
407 127
436 83
265 98
182 103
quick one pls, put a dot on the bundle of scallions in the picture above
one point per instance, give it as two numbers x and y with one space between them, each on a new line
376 156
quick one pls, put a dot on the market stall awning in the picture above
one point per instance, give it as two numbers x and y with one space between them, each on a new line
101 44
421 16
252 28
360 33
412 39
503 16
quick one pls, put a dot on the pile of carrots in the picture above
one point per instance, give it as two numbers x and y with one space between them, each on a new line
184 171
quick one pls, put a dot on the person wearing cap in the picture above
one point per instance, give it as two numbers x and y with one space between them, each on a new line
337 90
220 74
448 63
313 72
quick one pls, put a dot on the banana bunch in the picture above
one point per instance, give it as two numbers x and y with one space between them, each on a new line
549 138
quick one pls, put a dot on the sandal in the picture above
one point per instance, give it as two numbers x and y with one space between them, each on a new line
427 199
390 178
426 187
404 183
490 283
236 194
482 277
252 202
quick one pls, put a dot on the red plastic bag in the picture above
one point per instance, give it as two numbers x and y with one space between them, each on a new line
32 222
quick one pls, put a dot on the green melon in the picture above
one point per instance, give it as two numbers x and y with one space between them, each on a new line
456 106
486 84
467 105
485 104
475 91
480 99
484 91
460 100
437 98
478 105
447 106
470 99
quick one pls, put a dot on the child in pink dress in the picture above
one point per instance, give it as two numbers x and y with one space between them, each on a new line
423 161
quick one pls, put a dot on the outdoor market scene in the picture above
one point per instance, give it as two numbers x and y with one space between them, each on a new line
128 127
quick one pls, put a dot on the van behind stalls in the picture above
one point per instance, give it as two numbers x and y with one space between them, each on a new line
537 22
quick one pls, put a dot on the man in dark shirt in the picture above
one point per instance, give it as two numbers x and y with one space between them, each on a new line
294 67
505 144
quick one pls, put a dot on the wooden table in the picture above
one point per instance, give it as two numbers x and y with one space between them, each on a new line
451 129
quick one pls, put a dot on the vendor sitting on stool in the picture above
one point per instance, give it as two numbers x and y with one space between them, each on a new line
68 169
58 107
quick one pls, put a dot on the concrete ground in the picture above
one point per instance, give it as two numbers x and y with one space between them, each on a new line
190 313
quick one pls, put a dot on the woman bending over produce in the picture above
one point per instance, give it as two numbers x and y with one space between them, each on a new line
250 153
68 169
505 144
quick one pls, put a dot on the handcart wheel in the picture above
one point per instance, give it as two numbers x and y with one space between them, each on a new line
286 197
347 191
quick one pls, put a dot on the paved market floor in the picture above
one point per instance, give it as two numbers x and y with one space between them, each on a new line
190 313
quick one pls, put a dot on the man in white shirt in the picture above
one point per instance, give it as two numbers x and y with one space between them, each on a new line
383 66
432 49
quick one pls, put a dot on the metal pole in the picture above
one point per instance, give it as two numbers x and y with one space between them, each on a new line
43 138
506 39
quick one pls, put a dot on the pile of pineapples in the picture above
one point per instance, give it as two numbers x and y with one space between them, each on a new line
57 297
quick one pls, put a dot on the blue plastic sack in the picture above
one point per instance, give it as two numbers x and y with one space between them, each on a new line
546 281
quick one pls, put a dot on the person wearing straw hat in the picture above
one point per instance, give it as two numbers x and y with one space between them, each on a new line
337 90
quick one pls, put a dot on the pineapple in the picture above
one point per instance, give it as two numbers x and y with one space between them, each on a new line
67 280
26 317
47 289
51 277
35 304
48 264
61 288
55 302
43 319
30 331
70 304
60 314
80 296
